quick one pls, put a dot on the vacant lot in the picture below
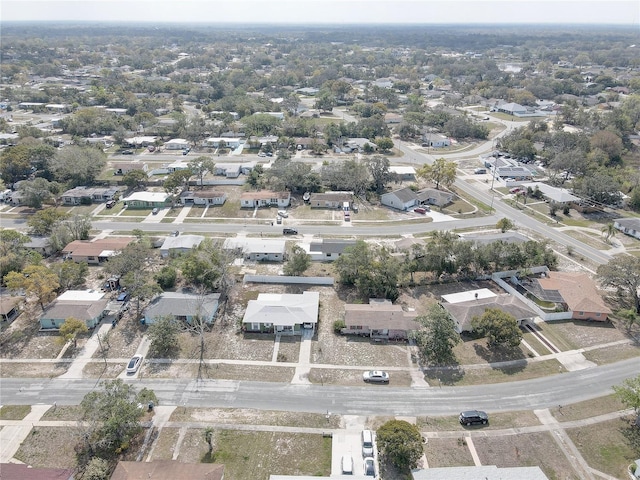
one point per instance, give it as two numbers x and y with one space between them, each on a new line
49 447
608 446
14 412
497 421
574 334
525 450
588 408
447 452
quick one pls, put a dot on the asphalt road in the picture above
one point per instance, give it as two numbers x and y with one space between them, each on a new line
543 392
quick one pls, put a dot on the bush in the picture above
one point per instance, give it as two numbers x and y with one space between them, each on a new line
338 325
166 277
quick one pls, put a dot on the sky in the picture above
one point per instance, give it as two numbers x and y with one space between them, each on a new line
301 12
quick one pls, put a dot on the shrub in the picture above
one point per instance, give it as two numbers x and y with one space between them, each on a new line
338 325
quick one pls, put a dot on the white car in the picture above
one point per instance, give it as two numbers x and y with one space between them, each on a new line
375 376
134 363
283 213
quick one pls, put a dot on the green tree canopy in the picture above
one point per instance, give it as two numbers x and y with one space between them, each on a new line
77 165
623 274
500 328
71 328
36 280
163 334
437 336
629 394
441 172
298 262
400 444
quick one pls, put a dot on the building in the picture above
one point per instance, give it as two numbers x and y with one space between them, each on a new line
229 142
202 197
379 319
167 470
464 306
122 168
628 226
435 140
86 305
329 199
21 471
229 170
147 200
180 244
88 195
141 141
257 249
512 109
182 306
265 198
10 307
483 472
554 194
41 245
432 196
401 199
95 252
177 144
326 250
282 313
403 173
515 173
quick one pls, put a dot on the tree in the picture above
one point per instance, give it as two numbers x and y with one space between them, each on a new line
71 328
608 231
437 336
440 172
504 224
378 167
400 444
36 280
70 274
629 394
77 165
38 191
12 251
500 328
166 277
15 164
133 178
384 143
298 262
200 165
97 469
163 334
111 418
623 274
43 221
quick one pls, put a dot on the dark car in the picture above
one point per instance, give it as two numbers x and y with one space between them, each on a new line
289 231
369 467
471 417
126 152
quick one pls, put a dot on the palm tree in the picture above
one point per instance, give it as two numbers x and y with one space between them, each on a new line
608 231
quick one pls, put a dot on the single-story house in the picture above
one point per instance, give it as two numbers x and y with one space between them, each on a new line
518 173
10 307
481 472
282 313
330 199
147 200
181 306
326 250
265 198
215 142
202 197
379 319
86 305
229 170
142 141
303 143
95 252
555 194
22 471
392 118
436 140
628 226
16 198
577 292
464 306
177 144
41 245
178 165
511 109
358 144
403 173
401 199
311 91
122 168
432 196
257 249
167 470
180 244
78 195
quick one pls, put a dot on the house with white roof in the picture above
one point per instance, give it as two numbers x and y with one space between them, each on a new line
180 244
147 200
282 313
265 198
257 249
176 144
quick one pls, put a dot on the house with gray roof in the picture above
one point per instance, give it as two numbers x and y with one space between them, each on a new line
182 307
628 226
180 244
379 319
282 313
554 194
401 199
88 195
85 305
326 250
432 196
330 199
203 197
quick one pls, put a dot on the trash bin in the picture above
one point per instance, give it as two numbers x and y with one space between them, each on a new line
150 406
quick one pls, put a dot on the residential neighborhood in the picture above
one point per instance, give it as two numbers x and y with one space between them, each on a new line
253 253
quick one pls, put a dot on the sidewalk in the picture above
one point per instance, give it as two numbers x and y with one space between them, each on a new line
12 436
86 354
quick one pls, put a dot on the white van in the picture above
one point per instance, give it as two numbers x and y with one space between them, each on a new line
367 443
347 464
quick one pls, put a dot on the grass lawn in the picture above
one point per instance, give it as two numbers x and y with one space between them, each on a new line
587 408
497 421
608 446
49 447
14 412
603 356
591 239
480 376
63 413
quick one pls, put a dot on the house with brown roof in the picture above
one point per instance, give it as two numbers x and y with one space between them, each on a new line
10 307
330 199
95 252
379 319
167 470
576 291
21 471
264 198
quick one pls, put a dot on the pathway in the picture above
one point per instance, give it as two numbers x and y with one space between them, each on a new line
12 435
87 352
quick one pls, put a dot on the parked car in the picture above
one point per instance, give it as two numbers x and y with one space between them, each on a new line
262 154
175 233
375 376
283 213
289 231
278 219
110 203
471 417
347 464
367 443
155 211
134 363
420 210
369 467
126 152
479 171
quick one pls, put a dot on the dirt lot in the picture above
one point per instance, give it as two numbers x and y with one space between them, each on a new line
49 447
255 417
447 452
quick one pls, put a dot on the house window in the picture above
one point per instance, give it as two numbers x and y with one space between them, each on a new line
581 313
328 254
598 314
91 258
255 326
53 323
182 318
267 325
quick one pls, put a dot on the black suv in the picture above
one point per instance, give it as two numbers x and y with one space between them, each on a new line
474 416
289 231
